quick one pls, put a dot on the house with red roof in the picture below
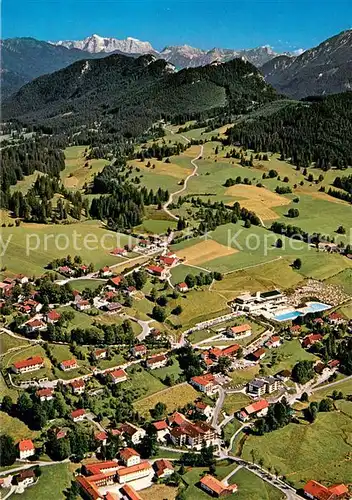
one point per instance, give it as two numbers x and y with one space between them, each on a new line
139 350
136 434
119 252
129 457
336 318
216 488
176 419
163 468
117 376
205 383
168 261
101 437
156 362
28 365
83 305
46 394
162 430
317 491
182 287
257 409
311 339
105 272
78 386
78 415
26 448
53 317
34 325
129 493
231 350
158 271
245 329
258 354
100 353
204 408
273 342
115 281
68 364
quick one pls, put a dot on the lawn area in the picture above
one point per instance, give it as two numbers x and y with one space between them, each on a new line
80 320
245 375
179 272
62 353
156 226
55 479
159 492
263 277
319 451
15 428
229 430
8 342
173 397
287 355
32 246
80 285
142 382
76 174
345 387
192 477
173 369
200 335
234 402
252 487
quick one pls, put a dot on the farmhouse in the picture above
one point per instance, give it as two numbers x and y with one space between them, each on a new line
26 448
317 491
311 339
26 478
168 261
258 354
113 307
127 474
156 362
117 376
78 415
257 409
130 457
119 251
78 386
163 468
139 350
135 433
28 365
157 271
83 305
161 430
68 364
215 487
245 329
205 383
53 317
45 394
182 287
116 281
34 325
105 272
100 353
273 342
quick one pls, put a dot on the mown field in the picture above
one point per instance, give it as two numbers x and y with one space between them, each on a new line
321 450
32 246
54 478
285 357
173 397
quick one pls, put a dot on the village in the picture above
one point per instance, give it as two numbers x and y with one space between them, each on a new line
231 346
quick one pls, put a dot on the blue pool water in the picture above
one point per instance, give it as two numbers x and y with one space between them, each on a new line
313 307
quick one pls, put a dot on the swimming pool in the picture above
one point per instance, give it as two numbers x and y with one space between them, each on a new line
311 307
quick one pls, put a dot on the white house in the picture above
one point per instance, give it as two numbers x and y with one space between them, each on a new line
156 362
26 448
130 457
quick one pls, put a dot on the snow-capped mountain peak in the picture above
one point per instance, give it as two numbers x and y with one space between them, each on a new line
96 43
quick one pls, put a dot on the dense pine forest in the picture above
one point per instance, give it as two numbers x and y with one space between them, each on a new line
318 132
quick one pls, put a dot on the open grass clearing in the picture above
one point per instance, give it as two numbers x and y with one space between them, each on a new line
252 487
79 171
173 397
159 492
142 382
80 285
287 355
54 479
8 342
234 402
245 375
344 279
319 451
24 184
205 251
32 246
15 428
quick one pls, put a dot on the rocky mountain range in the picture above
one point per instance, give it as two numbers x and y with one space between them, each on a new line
325 69
181 56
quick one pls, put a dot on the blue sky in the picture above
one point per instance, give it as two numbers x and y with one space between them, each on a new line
283 24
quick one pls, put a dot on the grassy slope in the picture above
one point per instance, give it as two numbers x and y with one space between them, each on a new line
55 479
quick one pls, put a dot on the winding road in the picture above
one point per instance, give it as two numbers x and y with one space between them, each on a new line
184 187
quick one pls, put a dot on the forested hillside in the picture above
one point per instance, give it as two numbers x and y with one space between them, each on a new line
318 131
127 95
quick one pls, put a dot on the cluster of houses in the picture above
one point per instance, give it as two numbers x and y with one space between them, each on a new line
163 264
317 491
